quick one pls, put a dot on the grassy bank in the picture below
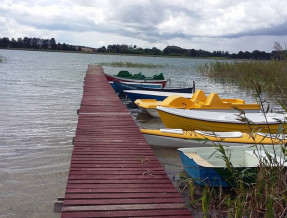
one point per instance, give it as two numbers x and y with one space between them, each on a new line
270 75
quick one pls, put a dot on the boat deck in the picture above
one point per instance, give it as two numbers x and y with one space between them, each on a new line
113 171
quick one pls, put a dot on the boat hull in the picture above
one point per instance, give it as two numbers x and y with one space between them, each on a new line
121 86
180 122
187 139
206 166
174 142
154 113
156 95
115 78
216 177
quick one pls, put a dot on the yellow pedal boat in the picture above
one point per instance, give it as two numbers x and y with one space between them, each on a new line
221 121
197 101
177 138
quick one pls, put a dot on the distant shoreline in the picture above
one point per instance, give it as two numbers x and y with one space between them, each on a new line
125 54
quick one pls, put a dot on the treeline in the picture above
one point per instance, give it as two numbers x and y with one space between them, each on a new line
50 44
35 43
178 51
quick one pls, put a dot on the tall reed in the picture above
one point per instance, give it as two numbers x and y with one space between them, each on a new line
271 75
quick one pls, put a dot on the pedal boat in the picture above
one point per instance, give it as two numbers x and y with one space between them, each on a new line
177 138
221 121
198 101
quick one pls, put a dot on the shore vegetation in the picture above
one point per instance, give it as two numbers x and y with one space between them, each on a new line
33 43
270 75
265 197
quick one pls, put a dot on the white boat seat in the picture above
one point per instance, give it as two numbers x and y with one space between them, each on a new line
234 134
262 153
199 160
175 131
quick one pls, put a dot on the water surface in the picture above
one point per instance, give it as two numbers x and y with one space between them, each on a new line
40 93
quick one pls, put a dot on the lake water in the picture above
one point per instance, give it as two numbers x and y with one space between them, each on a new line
40 93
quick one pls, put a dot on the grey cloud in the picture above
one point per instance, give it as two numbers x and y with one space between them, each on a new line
276 30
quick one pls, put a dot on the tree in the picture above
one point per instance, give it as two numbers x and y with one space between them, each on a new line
35 43
53 44
13 43
4 42
26 42
102 49
174 50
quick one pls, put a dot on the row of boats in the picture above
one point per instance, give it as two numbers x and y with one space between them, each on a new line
196 124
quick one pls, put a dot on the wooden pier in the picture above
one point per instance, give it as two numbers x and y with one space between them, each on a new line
114 172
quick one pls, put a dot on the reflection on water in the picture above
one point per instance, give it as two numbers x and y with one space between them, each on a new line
40 93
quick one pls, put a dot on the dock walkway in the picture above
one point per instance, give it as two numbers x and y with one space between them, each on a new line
113 171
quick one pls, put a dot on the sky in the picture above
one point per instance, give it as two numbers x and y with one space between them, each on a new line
211 25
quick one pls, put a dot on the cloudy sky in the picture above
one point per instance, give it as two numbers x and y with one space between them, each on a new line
212 25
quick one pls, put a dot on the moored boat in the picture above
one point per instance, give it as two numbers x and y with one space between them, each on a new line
177 138
157 95
207 168
121 86
125 76
221 121
197 102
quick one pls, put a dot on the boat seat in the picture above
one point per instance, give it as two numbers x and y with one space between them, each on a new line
214 101
198 96
234 134
175 131
256 154
176 101
199 160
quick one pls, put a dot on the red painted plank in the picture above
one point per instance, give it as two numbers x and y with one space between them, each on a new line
136 213
121 201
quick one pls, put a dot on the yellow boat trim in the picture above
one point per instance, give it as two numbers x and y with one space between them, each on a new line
245 138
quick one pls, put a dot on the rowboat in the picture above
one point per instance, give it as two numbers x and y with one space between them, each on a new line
177 138
220 121
157 95
125 76
207 168
197 102
121 86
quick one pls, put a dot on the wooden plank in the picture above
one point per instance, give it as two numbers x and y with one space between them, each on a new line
109 207
136 213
